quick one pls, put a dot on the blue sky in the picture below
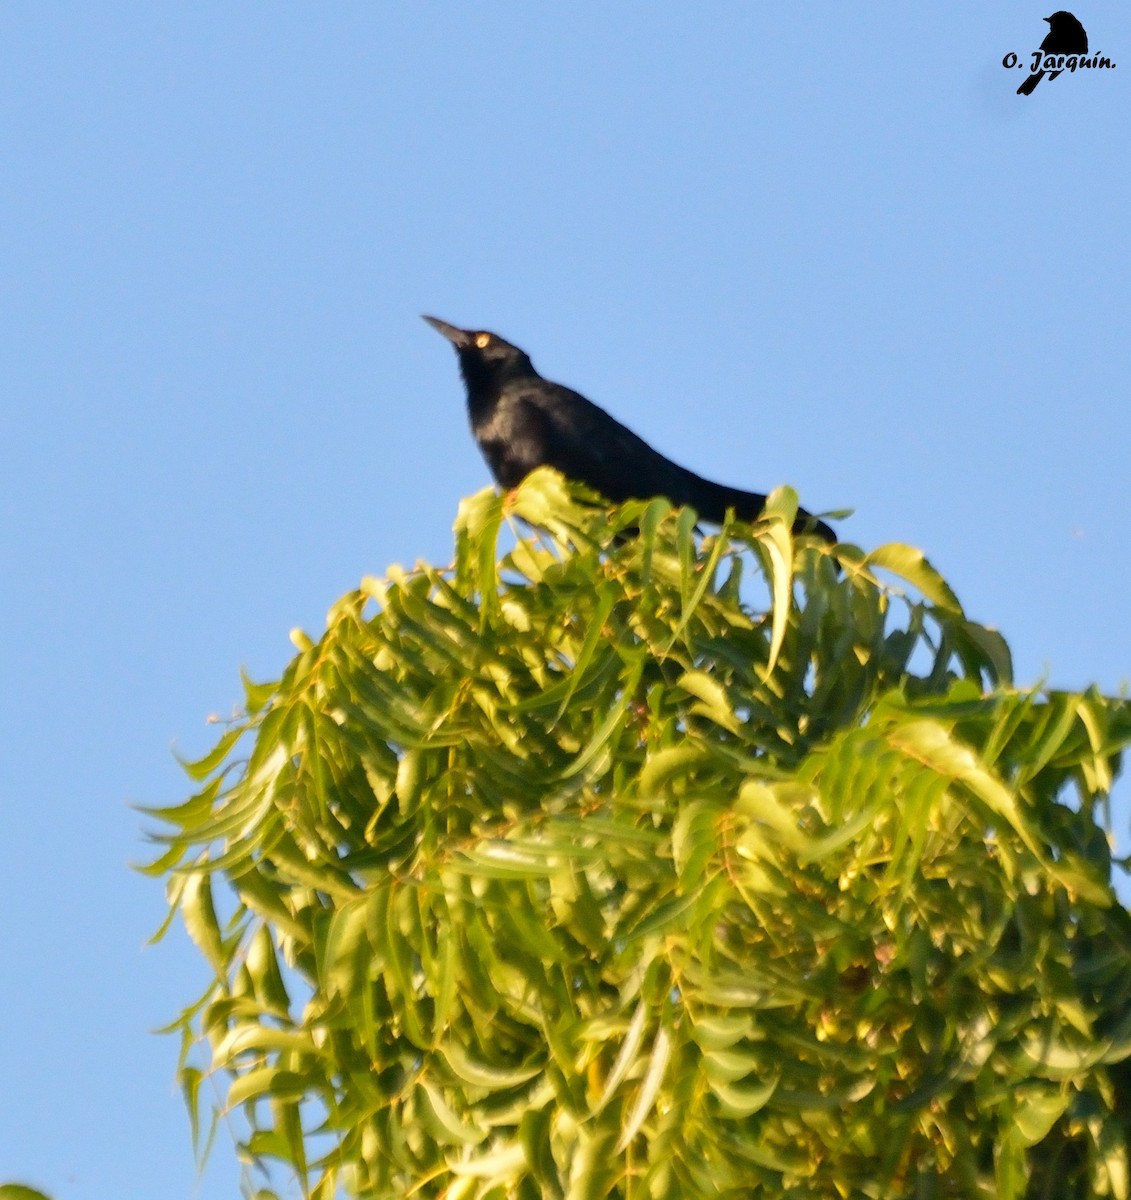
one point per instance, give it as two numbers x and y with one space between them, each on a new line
822 244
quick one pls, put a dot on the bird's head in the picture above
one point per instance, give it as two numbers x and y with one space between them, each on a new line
485 359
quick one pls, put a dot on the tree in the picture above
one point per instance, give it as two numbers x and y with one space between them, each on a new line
640 863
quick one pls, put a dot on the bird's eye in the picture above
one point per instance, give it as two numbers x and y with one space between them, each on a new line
482 340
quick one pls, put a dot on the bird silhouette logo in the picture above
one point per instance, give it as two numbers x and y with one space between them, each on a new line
1064 43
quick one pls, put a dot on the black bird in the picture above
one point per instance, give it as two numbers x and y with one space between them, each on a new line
1065 36
522 421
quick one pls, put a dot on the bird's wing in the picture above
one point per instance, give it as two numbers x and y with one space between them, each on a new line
585 443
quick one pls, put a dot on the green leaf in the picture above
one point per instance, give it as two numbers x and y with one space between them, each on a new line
743 1100
268 1081
200 919
690 568
443 1122
477 1073
1038 1109
256 695
777 542
253 1036
911 565
595 636
626 1055
201 768
695 839
649 1088
713 703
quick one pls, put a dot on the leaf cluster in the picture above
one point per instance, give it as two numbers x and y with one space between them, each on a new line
633 862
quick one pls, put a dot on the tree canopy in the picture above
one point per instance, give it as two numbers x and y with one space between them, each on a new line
618 859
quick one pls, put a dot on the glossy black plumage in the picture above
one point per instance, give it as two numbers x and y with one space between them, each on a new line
522 421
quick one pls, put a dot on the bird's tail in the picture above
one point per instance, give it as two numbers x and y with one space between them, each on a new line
807 523
1026 89
711 501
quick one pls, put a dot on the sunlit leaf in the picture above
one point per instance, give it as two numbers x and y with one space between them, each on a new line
911 565
200 919
649 1087
777 541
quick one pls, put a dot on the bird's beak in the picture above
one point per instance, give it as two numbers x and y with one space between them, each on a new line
460 338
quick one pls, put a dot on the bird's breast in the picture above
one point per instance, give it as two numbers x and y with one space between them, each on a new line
506 454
